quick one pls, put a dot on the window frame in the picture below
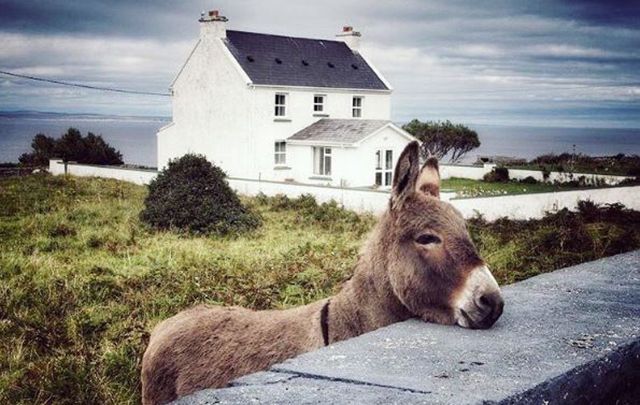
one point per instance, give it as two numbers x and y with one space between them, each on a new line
356 107
280 108
320 104
322 160
280 153
383 168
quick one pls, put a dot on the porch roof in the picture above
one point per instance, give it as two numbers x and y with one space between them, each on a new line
338 131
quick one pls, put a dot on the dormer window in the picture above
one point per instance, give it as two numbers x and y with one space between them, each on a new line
318 103
281 105
356 107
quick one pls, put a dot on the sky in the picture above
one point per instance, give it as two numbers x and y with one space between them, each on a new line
530 63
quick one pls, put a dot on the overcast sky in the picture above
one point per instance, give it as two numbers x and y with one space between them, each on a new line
541 63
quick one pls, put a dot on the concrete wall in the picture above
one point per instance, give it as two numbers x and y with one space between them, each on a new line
526 206
478 172
567 337
522 206
137 176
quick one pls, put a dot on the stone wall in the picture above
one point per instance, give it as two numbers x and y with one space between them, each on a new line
570 337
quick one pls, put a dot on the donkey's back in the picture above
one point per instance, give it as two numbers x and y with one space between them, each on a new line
208 346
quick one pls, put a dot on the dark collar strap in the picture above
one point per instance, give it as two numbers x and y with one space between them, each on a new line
324 322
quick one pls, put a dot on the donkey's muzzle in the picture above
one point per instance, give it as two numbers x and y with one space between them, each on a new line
478 304
488 309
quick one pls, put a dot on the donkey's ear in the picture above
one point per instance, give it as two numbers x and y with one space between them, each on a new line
429 178
406 173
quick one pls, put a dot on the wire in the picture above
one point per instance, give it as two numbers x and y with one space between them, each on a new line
84 86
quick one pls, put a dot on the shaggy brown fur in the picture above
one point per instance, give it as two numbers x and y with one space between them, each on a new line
414 263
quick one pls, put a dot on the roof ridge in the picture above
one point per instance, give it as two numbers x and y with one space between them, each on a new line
288 36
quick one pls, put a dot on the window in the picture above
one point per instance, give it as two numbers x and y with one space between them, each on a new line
280 106
356 111
322 161
318 103
384 169
280 152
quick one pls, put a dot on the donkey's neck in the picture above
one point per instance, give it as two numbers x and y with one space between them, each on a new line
367 301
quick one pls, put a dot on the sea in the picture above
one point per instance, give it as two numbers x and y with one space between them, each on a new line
135 137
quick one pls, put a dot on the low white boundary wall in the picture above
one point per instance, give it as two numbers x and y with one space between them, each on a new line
478 172
527 206
521 206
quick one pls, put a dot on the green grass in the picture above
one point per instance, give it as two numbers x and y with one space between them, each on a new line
82 281
477 188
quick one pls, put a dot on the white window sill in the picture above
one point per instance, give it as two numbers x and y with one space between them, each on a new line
281 167
321 115
281 119
320 177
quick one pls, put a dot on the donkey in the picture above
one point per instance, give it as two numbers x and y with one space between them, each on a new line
418 262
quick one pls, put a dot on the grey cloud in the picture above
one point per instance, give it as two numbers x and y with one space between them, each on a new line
446 59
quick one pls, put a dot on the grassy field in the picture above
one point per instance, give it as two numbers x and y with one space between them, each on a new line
82 281
476 188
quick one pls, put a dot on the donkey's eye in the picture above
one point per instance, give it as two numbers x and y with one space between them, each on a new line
427 239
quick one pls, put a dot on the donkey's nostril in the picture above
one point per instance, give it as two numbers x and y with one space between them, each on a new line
490 305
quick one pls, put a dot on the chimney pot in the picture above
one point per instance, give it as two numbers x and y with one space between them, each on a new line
212 25
350 37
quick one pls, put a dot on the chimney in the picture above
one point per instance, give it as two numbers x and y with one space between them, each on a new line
350 37
212 25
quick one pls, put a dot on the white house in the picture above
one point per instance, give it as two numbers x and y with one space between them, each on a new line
282 108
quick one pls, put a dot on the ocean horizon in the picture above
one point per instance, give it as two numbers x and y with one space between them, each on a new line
135 137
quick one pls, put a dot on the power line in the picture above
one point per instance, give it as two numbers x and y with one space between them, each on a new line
84 86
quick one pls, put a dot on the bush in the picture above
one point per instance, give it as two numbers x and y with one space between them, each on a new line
72 146
192 195
328 215
528 180
497 175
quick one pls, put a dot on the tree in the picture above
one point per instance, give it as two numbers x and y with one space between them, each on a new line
71 146
192 195
43 148
442 139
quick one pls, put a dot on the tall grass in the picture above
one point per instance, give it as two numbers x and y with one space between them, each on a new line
82 281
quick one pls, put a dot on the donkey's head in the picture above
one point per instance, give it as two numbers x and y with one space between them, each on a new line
433 266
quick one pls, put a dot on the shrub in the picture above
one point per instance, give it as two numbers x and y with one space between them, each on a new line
497 175
329 214
72 146
192 195
529 180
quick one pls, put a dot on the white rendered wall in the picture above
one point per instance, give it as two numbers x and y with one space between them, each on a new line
211 105
478 172
299 114
360 171
527 206
350 166
137 176
521 206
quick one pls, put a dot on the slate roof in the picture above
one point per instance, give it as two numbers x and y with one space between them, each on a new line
288 61
344 131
